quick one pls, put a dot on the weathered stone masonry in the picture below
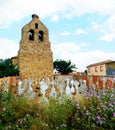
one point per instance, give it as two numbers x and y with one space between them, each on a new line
35 58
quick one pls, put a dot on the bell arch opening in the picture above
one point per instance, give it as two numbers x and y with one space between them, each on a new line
40 35
31 34
36 25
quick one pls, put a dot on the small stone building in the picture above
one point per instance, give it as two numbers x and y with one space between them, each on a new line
35 58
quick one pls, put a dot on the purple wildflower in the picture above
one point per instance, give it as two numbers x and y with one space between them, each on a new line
27 114
87 112
111 109
20 121
110 104
98 117
113 103
98 96
3 109
78 107
112 95
100 122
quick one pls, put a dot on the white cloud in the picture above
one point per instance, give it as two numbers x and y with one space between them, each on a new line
109 33
108 37
54 18
66 51
80 31
65 47
106 28
66 33
83 59
8 48
96 26
84 44
80 7
14 10
73 52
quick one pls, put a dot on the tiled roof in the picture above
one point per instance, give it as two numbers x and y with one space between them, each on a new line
99 63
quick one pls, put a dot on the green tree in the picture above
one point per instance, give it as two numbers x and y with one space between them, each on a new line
63 67
7 68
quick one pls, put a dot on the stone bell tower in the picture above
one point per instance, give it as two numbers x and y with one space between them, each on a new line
35 58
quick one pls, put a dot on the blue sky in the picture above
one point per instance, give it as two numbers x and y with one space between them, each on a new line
82 31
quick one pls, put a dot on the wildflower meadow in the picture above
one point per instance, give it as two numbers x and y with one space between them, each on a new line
93 111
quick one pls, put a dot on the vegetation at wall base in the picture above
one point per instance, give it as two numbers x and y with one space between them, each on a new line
96 112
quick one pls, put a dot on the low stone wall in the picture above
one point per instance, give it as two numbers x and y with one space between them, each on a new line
92 81
85 81
9 83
